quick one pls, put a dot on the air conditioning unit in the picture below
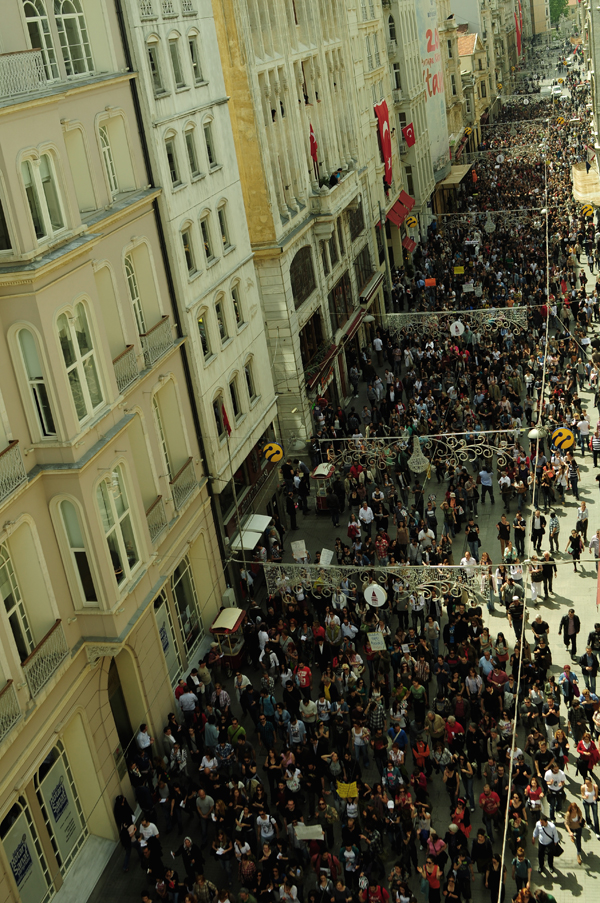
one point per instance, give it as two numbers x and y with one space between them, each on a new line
228 598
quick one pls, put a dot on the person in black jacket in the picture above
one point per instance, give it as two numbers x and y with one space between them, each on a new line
589 668
548 572
193 861
569 627
125 821
538 528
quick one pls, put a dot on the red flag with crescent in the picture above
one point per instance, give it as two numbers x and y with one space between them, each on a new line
409 134
383 118
313 144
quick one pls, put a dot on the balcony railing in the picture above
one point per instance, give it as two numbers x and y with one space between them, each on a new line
168 8
10 710
397 95
187 7
147 9
126 368
157 341
46 658
21 73
12 469
402 147
183 483
392 48
156 517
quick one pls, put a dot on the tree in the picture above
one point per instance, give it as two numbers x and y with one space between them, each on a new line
557 8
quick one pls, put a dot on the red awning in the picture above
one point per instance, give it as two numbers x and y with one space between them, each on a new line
398 213
406 199
409 244
331 353
353 326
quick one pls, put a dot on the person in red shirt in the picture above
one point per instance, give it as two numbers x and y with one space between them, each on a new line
374 893
489 803
303 676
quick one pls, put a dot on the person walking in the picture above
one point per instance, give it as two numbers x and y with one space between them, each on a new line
569 627
554 531
366 517
574 547
589 668
472 534
574 822
290 508
582 520
538 528
503 528
594 548
549 571
546 835
487 485
589 795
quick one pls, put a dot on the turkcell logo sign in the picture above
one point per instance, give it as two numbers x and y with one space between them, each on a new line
164 638
59 799
21 861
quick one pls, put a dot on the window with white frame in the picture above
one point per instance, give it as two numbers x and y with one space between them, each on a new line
37 383
223 227
155 68
79 555
237 305
376 51
397 77
369 52
115 514
192 154
194 49
108 160
235 399
80 361
183 588
453 83
188 250
392 28
116 155
176 63
218 414
210 146
172 160
73 36
248 371
162 436
208 248
221 321
134 295
14 605
204 336
41 189
40 35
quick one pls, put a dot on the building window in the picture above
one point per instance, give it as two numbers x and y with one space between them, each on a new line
188 251
221 321
324 257
333 250
40 35
37 383
73 36
172 160
410 182
195 59
483 90
134 294
42 194
204 338
369 52
340 303
186 604
397 77
468 104
190 144
210 147
480 64
218 414
113 505
302 276
237 306
176 63
14 605
205 229
449 44
376 51
80 362
223 228
79 555
311 338
155 71
453 83
356 222
162 436
392 28
235 402
340 234
248 372
5 242
109 163
363 268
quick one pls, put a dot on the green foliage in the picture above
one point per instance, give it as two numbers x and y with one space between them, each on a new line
557 8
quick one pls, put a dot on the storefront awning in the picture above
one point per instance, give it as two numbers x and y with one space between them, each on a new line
586 185
247 541
332 351
353 325
457 174
257 522
370 288
397 214
406 199
409 244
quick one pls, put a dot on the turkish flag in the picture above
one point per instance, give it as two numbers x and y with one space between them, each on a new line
225 420
518 30
409 134
383 118
313 144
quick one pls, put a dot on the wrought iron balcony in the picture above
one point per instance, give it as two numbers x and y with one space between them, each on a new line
157 341
12 469
397 95
22 73
156 516
46 658
183 484
392 48
126 368
10 710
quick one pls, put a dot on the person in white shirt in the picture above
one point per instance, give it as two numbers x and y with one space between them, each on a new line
378 348
545 832
469 564
147 829
143 739
365 515
584 434
555 781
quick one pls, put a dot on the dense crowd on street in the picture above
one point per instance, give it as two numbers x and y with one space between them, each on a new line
313 774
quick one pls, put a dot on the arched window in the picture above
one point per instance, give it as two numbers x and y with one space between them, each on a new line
79 555
14 605
178 75
43 197
40 35
37 383
80 361
134 294
73 35
392 28
154 63
113 504
107 157
302 276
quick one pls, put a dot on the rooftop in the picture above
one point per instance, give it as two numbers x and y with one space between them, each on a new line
466 44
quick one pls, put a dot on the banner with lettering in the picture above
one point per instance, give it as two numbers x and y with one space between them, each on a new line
433 77
22 856
63 814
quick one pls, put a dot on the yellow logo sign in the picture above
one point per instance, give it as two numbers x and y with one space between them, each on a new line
561 81
563 438
468 130
411 221
273 452
561 120
588 210
499 86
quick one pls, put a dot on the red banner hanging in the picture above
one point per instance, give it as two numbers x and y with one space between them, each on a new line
383 118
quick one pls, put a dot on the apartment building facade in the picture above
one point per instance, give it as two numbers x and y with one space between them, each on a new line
476 79
186 122
110 570
306 81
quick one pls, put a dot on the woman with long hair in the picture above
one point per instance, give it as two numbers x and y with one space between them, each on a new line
574 823
495 879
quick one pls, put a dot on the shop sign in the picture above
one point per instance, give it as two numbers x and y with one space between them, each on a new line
22 856
57 794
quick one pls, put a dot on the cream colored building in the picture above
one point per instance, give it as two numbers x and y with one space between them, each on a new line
319 256
476 80
109 565
455 100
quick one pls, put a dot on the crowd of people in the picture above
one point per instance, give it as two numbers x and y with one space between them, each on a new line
319 773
